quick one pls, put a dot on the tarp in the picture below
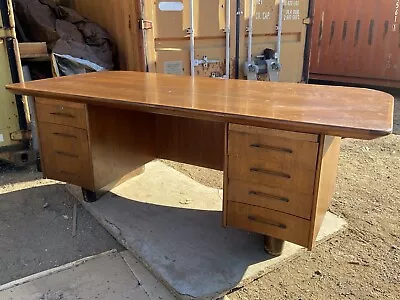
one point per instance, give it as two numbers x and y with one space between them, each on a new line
65 31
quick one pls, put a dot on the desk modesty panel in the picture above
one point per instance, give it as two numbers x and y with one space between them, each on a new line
277 143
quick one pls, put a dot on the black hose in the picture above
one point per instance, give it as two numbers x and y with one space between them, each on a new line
4 14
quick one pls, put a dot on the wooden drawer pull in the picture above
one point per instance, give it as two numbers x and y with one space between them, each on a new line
260 194
273 173
66 115
65 135
271 223
67 154
266 147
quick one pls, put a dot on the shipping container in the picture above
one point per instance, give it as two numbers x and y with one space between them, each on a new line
172 36
14 133
357 41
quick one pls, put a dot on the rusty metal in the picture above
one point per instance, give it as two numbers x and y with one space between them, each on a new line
357 42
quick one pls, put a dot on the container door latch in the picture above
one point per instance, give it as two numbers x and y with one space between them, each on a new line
145 24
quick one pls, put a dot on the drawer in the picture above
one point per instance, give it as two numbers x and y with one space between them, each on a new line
294 178
293 203
61 112
282 154
65 154
308 137
269 222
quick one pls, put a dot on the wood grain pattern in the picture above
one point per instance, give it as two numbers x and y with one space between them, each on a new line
293 203
280 153
325 183
120 142
268 172
337 111
274 133
121 19
196 142
61 112
269 222
65 154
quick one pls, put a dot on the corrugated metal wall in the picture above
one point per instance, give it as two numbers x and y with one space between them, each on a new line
356 41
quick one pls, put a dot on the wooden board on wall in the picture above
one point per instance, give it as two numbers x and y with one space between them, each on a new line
120 19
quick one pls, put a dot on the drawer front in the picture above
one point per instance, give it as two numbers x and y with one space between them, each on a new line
269 173
281 153
274 132
293 203
61 112
65 154
269 222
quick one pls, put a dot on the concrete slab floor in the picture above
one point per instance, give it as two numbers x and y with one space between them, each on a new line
173 225
36 225
107 276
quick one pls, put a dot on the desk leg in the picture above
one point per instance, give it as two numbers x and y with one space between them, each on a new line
88 195
273 246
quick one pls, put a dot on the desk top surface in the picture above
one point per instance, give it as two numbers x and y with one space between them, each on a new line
340 111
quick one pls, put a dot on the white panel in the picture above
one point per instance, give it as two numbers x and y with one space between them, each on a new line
170 6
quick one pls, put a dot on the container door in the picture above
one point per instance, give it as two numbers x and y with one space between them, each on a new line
357 41
265 20
9 121
168 44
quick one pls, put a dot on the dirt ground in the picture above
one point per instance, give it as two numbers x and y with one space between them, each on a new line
36 226
363 262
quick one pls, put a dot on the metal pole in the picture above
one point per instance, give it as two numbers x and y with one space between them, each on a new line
191 32
250 31
237 50
227 37
279 39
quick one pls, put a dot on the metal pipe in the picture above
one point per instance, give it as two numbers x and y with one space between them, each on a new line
237 50
250 31
279 38
227 37
191 33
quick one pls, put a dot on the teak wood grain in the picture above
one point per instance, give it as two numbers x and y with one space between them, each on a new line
61 112
293 203
261 220
120 141
337 111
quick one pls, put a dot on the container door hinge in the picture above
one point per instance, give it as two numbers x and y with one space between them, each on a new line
145 24
5 33
21 135
307 21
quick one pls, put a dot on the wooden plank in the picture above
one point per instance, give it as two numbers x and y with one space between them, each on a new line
337 111
33 50
325 183
120 141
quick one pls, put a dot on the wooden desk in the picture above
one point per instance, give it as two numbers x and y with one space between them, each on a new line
277 143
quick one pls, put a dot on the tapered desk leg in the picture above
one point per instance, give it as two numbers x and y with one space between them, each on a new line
273 246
